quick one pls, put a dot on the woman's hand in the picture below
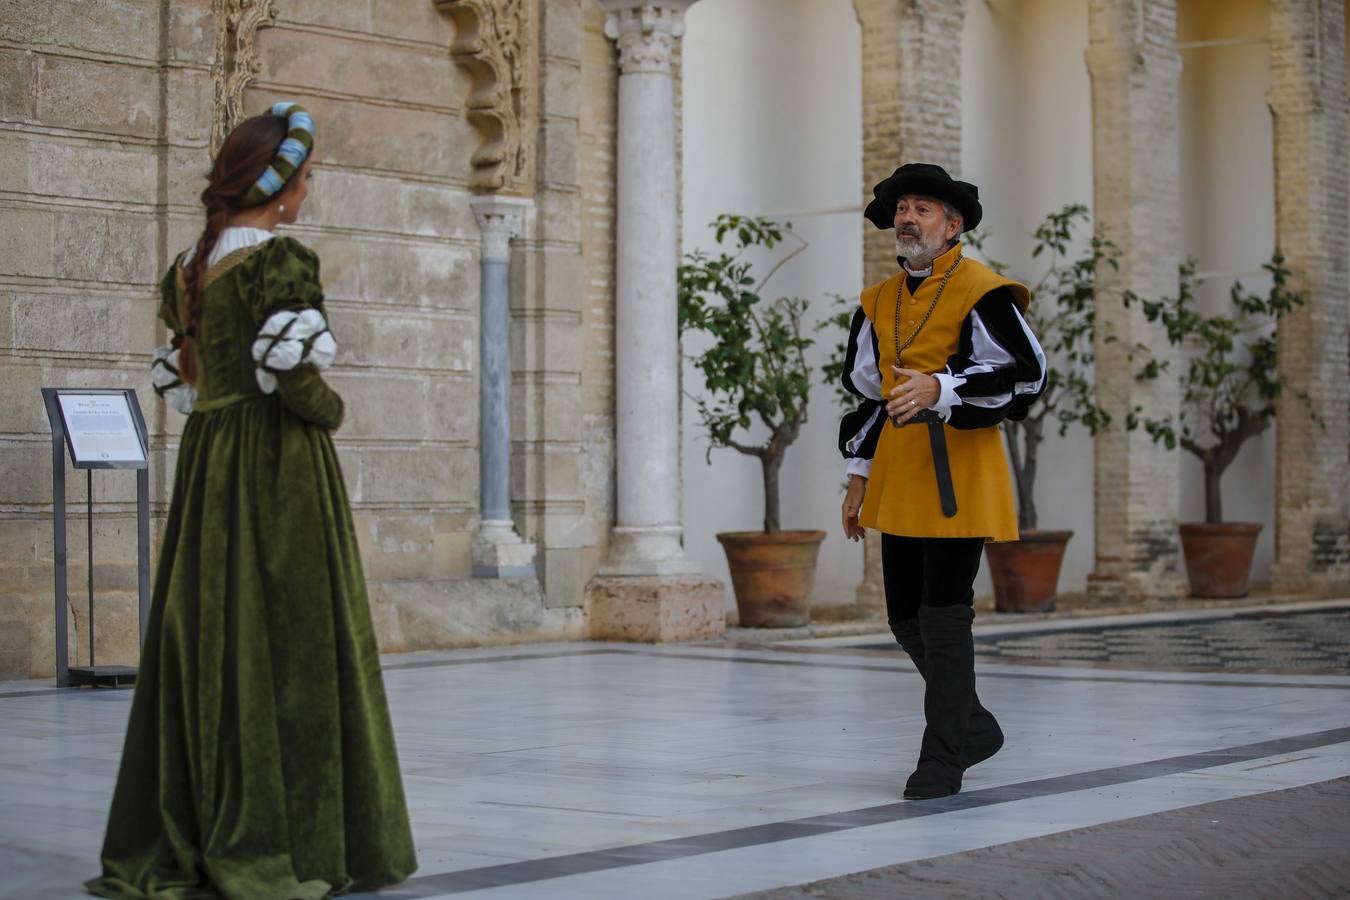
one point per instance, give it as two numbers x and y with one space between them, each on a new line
918 393
853 501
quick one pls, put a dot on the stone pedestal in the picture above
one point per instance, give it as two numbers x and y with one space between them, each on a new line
498 552
655 609
466 612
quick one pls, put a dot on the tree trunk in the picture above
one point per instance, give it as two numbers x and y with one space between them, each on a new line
1213 496
1023 439
1027 517
771 464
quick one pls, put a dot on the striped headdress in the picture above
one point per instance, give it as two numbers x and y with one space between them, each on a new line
290 155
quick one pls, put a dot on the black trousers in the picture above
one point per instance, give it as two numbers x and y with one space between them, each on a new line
928 572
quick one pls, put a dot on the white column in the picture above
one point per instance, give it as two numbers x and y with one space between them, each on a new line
648 590
647 536
498 550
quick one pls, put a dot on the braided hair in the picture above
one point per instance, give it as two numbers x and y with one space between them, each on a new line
246 153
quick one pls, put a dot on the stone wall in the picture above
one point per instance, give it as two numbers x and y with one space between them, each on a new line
105 113
389 217
547 323
105 126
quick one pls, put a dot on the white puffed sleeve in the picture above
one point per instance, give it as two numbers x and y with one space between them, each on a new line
289 338
168 383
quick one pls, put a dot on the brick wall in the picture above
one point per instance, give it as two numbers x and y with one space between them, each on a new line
911 99
599 104
1135 70
1312 189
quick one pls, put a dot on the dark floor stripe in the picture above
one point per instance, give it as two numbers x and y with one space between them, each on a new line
757 835
1174 853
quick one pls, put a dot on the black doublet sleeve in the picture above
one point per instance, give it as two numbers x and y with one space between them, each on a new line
998 368
860 429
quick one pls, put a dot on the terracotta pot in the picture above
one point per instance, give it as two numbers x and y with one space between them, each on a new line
1026 572
772 575
1219 556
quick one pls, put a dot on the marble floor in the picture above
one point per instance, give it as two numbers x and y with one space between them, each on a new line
692 771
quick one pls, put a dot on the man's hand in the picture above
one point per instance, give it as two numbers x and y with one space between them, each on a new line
853 501
917 393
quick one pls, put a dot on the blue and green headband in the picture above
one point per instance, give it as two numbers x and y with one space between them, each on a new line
290 155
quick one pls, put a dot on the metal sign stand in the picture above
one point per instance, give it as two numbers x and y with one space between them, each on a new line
63 440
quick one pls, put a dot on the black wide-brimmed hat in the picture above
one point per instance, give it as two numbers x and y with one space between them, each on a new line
924 180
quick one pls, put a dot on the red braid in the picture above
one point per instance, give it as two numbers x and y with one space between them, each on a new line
247 152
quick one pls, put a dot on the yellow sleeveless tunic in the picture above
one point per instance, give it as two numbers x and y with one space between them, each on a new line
902 496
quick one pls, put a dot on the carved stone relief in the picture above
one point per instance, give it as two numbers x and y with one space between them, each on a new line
495 44
235 64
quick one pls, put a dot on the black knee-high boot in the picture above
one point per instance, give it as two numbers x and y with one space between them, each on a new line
984 738
948 698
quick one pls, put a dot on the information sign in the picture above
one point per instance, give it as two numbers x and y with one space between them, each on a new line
100 428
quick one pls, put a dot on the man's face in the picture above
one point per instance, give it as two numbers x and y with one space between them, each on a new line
922 229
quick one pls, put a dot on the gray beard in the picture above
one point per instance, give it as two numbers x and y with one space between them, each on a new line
916 252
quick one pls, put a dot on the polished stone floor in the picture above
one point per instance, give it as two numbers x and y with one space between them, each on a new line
616 771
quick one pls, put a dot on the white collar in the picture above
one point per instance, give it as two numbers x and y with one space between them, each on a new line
235 237
918 273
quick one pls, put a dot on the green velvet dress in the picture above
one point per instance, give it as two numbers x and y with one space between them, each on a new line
259 760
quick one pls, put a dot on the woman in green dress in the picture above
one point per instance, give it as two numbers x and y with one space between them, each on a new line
259 760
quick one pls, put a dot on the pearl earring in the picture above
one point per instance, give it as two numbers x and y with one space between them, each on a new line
281 208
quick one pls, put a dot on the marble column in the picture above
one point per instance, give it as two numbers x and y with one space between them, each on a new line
1308 101
1135 69
648 589
498 550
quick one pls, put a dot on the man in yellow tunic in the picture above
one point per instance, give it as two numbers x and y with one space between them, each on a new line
939 354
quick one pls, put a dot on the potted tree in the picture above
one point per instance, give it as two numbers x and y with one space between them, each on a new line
754 371
1229 386
1025 572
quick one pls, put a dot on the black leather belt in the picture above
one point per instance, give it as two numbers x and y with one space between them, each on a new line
937 439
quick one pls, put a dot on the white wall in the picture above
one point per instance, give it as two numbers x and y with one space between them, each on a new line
1228 213
772 126
1026 136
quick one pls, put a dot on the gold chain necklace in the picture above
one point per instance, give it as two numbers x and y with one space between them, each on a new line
899 296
